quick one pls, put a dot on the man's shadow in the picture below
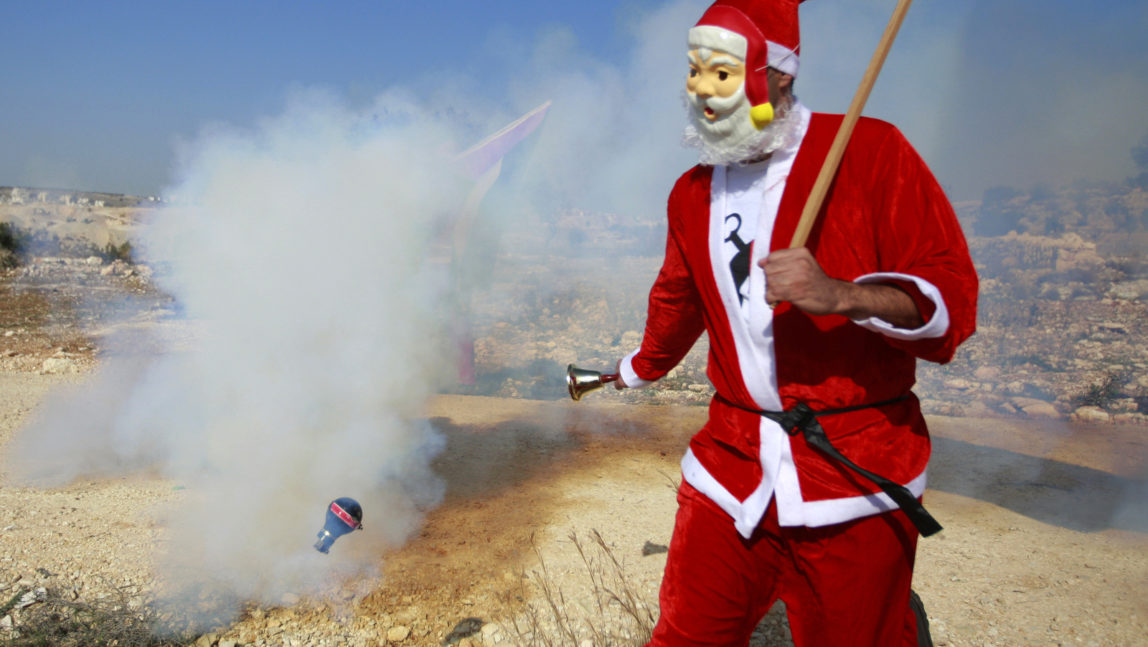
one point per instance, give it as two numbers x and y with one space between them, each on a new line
485 459
1050 491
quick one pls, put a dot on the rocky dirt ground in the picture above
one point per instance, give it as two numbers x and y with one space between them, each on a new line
1045 539
1046 520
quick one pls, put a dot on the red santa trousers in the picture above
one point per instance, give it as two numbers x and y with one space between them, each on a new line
846 584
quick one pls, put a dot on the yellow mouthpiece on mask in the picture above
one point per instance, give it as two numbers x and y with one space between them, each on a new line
761 115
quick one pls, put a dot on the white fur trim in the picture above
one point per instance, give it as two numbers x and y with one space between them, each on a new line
698 476
720 39
626 369
791 509
781 58
745 515
790 503
936 326
830 511
777 56
794 510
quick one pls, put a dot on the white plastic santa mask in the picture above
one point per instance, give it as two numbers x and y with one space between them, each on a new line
722 122
715 93
732 52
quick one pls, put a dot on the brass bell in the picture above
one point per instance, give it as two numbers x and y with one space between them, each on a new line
580 381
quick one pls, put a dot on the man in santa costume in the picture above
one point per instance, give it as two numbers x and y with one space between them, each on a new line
805 482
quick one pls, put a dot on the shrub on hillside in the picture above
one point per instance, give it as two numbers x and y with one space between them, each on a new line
114 252
12 243
1102 393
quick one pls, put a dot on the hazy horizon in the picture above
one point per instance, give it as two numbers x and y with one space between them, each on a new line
103 97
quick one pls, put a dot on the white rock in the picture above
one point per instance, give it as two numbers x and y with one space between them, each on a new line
398 633
978 409
489 630
31 597
1125 405
1034 408
1091 414
58 366
1129 290
986 373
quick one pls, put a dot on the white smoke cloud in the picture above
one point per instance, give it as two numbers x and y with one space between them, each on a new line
306 254
301 255
612 138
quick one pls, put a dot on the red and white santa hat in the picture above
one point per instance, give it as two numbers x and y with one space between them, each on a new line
763 33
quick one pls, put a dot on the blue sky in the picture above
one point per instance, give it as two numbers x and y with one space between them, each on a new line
101 95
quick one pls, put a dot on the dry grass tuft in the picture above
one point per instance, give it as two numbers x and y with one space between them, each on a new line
45 617
619 616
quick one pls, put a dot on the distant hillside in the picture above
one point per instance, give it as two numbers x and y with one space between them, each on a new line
62 223
17 195
1105 214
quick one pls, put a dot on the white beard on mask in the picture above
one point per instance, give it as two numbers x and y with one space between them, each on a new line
732 138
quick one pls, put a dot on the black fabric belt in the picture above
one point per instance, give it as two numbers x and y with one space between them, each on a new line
803 418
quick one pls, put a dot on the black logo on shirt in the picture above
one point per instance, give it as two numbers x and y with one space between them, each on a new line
739 264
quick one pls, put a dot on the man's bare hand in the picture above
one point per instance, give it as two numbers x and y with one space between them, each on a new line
793 275
619 383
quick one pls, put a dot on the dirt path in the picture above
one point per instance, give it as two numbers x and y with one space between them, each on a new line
1045 541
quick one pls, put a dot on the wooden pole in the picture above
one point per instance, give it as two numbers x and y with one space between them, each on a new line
837 150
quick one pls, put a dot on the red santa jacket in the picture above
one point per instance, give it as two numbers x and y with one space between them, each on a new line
885 219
